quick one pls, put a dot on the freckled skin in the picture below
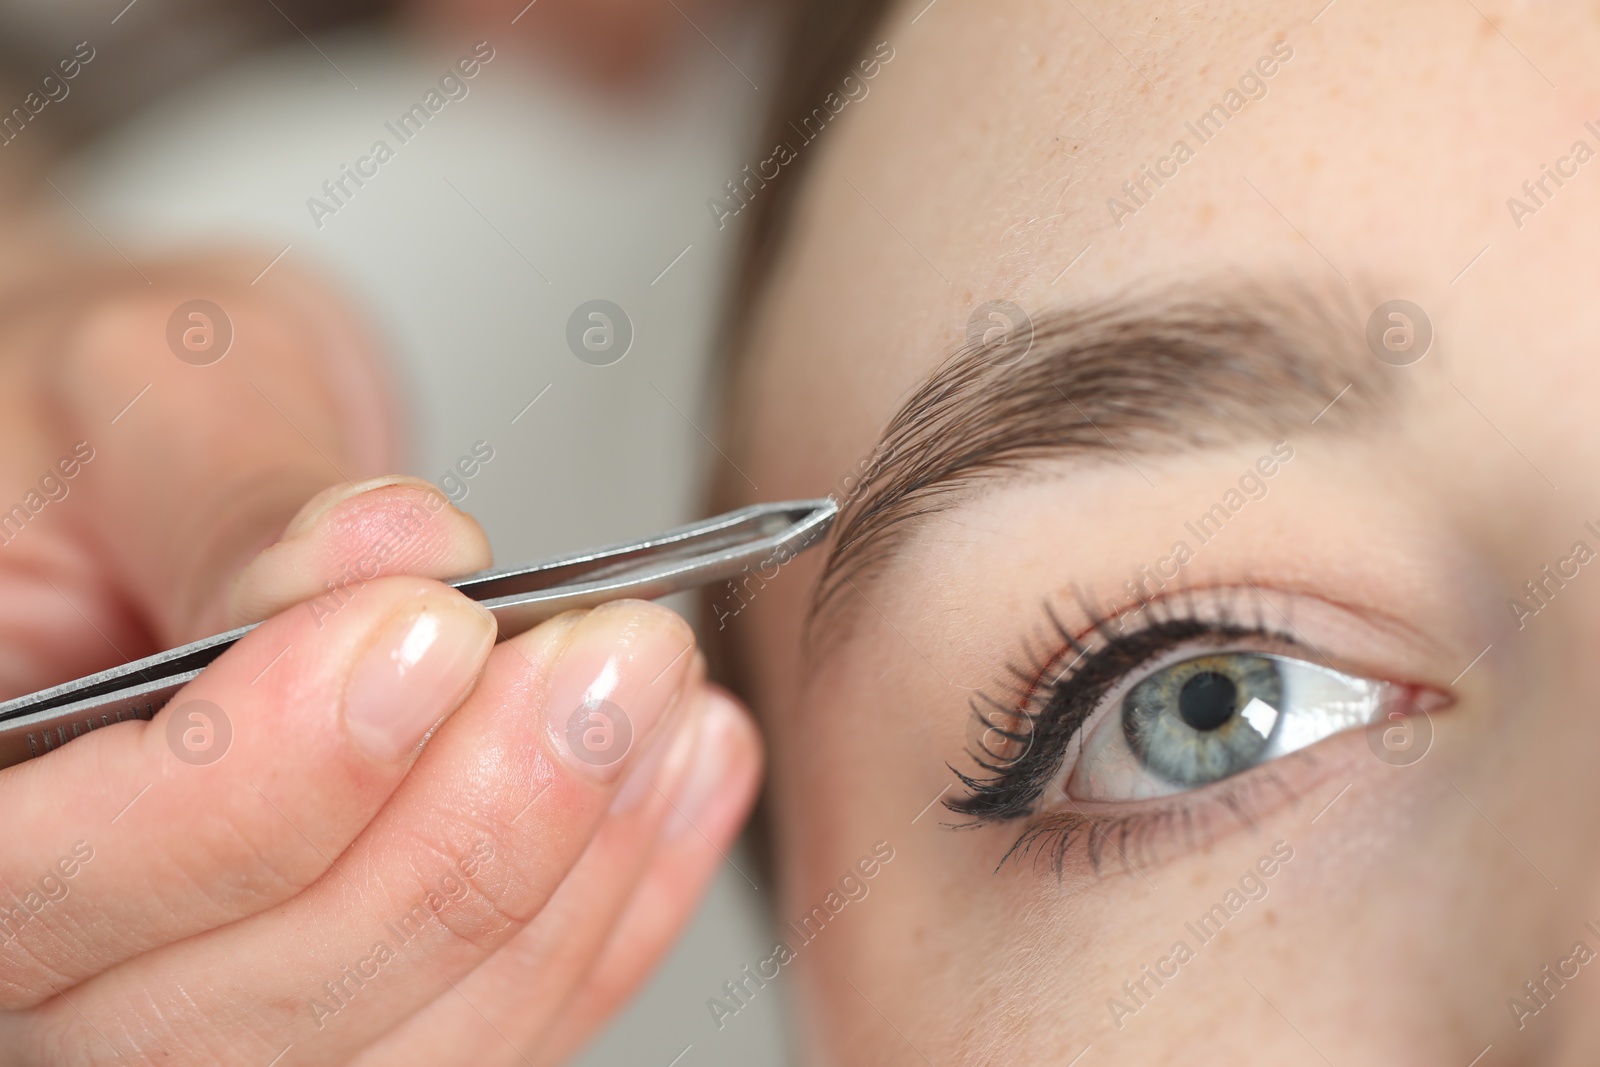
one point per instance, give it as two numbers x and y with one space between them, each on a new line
1378 163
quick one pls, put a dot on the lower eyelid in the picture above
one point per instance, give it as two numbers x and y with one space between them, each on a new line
1134 838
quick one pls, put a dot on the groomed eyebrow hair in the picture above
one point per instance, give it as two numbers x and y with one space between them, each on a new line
1132 375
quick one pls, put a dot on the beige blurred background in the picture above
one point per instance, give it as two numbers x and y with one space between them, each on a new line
470 250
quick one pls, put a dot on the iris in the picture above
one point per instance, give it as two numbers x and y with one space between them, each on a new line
1205 718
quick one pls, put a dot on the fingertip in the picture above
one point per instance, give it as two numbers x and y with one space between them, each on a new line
324 503
628 661
415 671
721 784
351 534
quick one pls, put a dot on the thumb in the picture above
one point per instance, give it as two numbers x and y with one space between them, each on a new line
209 425
350 534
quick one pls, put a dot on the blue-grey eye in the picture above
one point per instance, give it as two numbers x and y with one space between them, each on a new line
1204 718
1188 720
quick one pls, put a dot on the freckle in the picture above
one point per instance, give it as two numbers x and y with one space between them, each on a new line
1205 213
1270 918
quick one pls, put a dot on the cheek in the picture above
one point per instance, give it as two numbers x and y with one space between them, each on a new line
860 759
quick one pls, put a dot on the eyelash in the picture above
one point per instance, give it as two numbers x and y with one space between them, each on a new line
1132 836
1049 705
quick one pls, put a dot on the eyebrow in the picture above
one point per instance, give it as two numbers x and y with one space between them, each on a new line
1135 374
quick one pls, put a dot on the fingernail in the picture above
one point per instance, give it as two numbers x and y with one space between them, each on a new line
324 502
415 672
667 758
622 669
715 746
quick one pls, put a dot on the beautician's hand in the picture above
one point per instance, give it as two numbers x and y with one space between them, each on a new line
619 42
366 833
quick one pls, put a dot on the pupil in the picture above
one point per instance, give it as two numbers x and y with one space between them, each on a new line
1207 700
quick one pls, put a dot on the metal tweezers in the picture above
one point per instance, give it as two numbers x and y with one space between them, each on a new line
519 597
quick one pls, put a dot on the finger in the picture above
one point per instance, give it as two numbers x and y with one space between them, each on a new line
620 43
568 931
198 464
698 840
238 794
348 535
639 882
491 820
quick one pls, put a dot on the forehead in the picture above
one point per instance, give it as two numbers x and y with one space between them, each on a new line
1049 155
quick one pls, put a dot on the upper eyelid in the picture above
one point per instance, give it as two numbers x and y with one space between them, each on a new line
1420 645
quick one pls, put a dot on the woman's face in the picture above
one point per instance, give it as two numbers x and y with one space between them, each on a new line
1218 515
